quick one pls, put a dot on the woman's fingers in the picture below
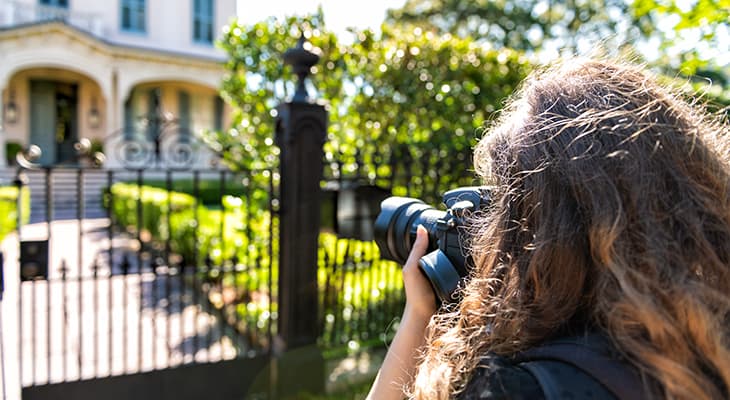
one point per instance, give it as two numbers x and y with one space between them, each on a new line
419 246
420 298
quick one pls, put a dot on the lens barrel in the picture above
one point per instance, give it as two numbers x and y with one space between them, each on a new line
395 227
441 273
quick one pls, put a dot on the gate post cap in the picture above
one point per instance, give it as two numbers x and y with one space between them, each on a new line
302 59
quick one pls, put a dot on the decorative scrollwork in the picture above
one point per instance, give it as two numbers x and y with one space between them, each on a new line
180 154
155 142
134 153
165 145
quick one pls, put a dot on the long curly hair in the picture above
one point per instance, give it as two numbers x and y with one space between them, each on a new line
611 212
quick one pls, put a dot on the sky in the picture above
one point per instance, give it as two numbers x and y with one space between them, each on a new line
341 14
338 14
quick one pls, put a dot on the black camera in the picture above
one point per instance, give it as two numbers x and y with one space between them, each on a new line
445 263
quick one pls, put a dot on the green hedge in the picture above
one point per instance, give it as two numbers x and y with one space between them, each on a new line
193 230
208 191
9 209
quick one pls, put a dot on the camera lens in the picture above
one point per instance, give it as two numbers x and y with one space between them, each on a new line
395 227
446 262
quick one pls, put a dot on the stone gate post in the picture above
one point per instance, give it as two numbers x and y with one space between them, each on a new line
301 129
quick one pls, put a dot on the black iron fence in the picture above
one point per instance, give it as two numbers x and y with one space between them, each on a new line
362 295
136 277
423 171
155 269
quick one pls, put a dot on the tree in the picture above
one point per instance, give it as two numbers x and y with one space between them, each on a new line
432 93
257 80
527 25
388 93
690 36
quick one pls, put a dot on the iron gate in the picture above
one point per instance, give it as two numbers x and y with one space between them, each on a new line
142 283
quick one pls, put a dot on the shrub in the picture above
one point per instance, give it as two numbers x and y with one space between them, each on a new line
9 209
194 231
11 150
209 191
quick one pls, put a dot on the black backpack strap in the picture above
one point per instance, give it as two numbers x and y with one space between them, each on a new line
589 354
548 383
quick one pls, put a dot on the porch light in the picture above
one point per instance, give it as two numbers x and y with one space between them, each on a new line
94 117
350 206
10 113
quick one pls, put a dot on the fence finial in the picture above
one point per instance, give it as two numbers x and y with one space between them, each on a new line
302 59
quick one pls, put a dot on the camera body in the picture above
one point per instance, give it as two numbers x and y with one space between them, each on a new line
446 262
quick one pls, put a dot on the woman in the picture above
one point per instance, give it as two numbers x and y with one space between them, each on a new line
611 215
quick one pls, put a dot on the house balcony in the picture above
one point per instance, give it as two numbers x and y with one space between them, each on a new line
15 13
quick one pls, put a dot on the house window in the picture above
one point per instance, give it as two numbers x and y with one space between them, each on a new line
133 16
203 21
55 3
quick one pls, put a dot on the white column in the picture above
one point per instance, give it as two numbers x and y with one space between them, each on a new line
113 103
112 123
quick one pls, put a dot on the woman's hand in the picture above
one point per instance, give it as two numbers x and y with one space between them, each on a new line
399 366
420 298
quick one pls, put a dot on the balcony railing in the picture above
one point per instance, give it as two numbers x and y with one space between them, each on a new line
14 13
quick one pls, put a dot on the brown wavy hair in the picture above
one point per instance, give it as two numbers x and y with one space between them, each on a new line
611 212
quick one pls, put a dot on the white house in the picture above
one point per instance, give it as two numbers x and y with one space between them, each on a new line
74 69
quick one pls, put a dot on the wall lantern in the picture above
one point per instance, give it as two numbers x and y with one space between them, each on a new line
94 116
10 113
349 208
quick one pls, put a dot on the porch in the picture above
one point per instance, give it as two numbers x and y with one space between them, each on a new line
63 85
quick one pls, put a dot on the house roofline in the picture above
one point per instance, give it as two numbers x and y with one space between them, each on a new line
110 45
